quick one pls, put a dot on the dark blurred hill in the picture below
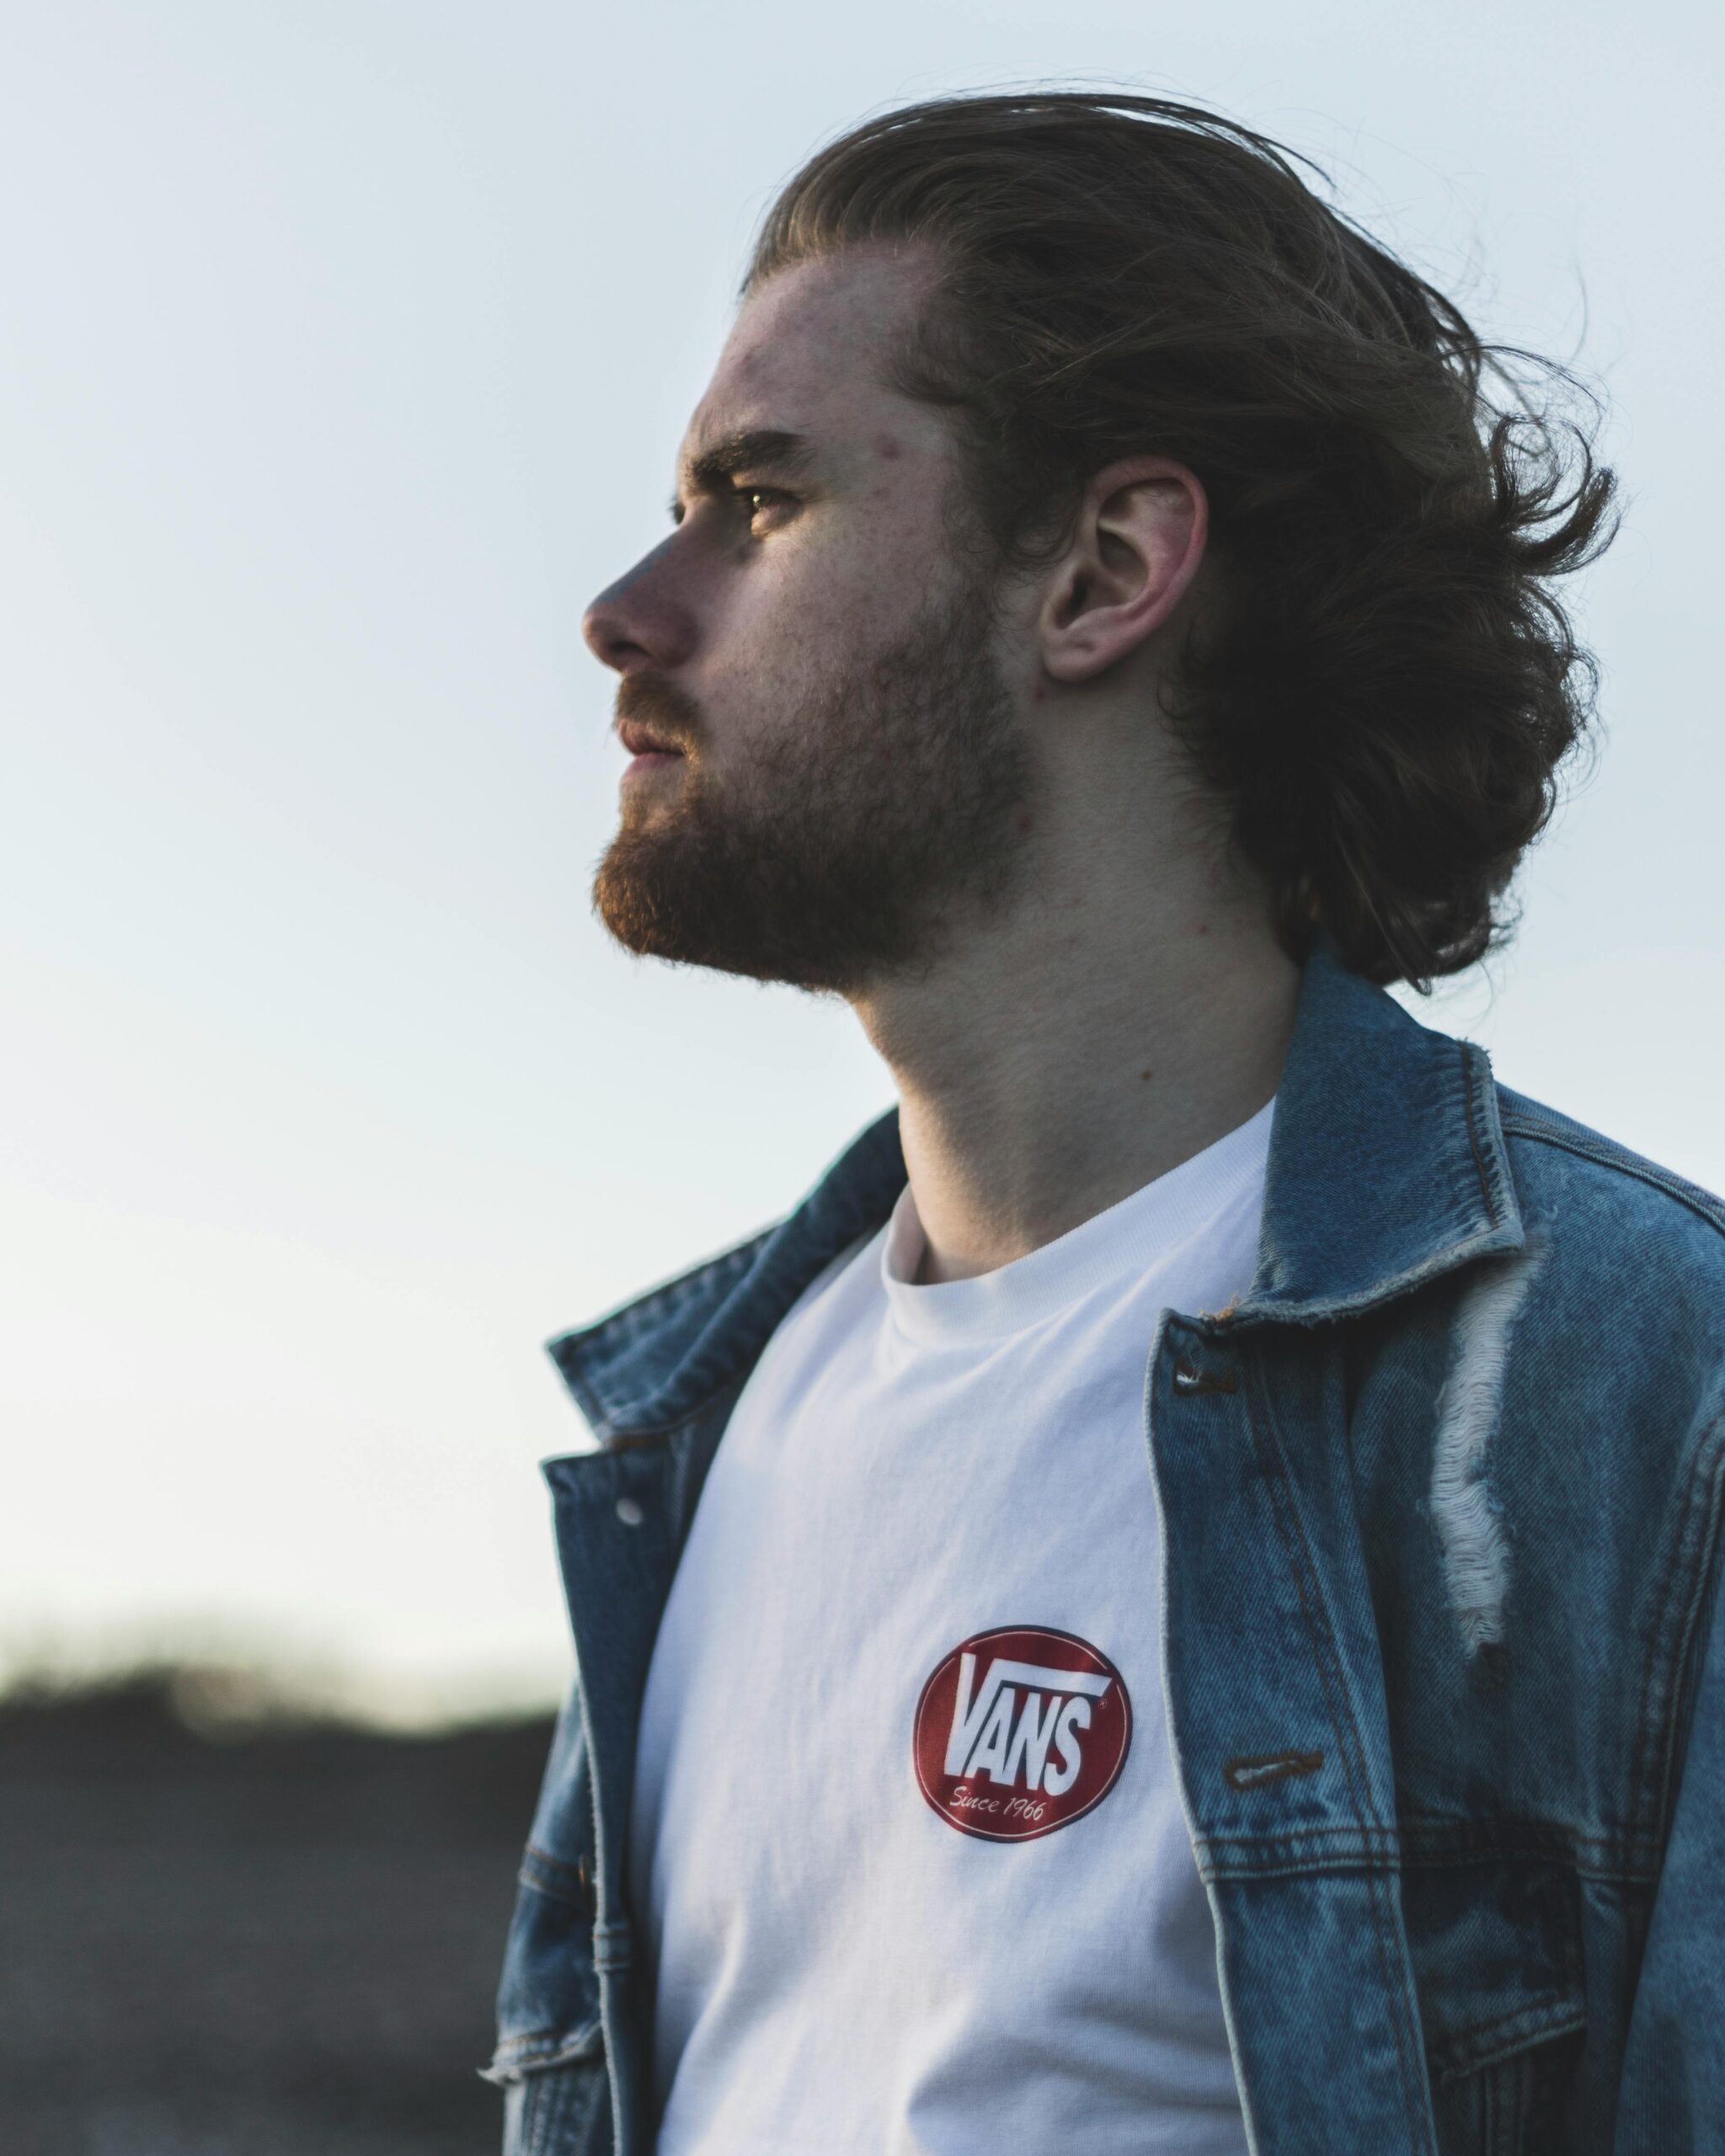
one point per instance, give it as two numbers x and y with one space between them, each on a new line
279 1939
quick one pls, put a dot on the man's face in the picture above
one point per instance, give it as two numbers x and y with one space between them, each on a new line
827 764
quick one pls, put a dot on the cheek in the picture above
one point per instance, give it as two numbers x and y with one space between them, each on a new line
846 592
801 616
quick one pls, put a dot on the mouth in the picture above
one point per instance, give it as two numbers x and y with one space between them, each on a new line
647 745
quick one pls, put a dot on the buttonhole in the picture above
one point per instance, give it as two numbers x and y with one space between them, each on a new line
1189 1379
1274 1767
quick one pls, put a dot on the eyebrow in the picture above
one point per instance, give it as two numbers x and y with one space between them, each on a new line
763 449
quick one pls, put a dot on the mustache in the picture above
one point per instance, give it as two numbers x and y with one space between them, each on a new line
650 700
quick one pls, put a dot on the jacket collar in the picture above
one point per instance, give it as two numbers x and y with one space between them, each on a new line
1387 1168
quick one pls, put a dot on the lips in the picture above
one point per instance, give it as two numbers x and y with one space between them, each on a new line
656 719
641 738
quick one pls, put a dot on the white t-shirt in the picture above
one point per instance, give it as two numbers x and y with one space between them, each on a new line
907 1837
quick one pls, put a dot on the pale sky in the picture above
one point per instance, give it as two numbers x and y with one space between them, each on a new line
344 349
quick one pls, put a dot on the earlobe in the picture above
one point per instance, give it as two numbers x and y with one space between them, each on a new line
1136 545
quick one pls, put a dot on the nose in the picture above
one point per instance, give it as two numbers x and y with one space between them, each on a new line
639 621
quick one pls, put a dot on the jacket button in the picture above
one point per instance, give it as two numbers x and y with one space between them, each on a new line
629 1511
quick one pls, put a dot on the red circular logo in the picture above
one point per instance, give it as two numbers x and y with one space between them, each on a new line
1020 1730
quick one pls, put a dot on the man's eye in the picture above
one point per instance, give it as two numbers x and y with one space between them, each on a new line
763 504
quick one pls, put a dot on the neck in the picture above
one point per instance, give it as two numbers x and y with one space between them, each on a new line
1066 1056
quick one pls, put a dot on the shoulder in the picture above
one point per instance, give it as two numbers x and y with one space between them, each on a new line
1625 1184
1628 1260
1611 1212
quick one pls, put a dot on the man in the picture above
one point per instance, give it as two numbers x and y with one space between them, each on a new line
1168 1606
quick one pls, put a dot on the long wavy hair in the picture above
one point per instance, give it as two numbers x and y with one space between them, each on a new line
1387 691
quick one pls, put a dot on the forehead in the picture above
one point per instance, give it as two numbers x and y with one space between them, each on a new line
810 350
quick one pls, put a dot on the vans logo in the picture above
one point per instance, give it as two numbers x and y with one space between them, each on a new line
1020 1730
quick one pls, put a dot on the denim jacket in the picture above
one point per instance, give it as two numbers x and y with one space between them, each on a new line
1440 1501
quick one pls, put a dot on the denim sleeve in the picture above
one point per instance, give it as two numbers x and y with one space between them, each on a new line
1673 2071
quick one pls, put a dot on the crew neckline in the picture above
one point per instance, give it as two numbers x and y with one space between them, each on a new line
1139 1232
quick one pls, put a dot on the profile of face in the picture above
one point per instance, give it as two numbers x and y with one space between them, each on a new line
829 768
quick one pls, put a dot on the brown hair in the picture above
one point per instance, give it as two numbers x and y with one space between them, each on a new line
1387 691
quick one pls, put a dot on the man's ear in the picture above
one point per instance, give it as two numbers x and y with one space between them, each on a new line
1134 549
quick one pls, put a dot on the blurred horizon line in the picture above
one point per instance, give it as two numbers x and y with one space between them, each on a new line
225 1680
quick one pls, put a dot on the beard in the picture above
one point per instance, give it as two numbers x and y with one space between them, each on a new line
883 807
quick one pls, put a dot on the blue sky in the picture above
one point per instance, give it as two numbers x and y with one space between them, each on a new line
345 348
